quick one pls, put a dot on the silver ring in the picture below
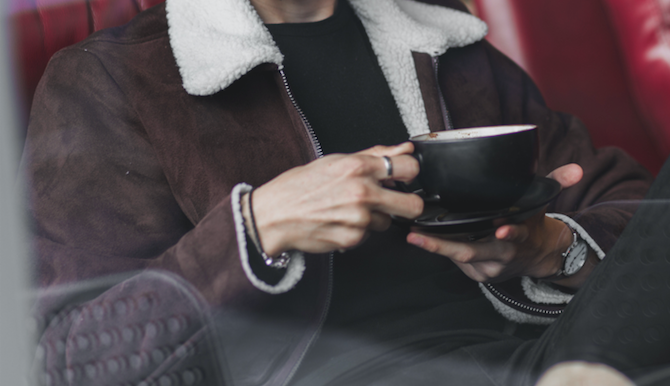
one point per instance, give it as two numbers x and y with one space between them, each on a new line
389 167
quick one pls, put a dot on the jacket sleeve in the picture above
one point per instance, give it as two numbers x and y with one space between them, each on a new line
599 206
100 202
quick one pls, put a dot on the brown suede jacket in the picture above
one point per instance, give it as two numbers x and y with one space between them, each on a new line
136 143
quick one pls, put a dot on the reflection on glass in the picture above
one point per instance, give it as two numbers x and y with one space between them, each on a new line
167 158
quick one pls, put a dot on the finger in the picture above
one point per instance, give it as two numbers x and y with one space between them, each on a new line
471 271
389 151
403 168
512 233
504 233
389 184
456 251
395 203
379 221
343 237
481 272
342 248
466 253
567 175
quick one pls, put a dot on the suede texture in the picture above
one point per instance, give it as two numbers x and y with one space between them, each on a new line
483 87
129 171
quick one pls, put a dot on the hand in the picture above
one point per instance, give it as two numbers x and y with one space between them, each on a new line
333 202
583 373
532 248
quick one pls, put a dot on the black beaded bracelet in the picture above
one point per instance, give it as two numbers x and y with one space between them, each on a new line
278 262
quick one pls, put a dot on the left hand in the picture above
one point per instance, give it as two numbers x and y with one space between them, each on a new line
532 248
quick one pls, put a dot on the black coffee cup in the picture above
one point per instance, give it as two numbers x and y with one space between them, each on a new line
477 169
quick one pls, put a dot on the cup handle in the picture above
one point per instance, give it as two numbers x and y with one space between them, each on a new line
419 159
434 198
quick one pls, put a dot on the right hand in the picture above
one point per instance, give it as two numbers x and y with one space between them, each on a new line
333 202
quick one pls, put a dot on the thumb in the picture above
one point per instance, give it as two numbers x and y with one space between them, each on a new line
567 175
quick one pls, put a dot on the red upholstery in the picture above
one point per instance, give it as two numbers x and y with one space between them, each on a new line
42 27
643 30
606 61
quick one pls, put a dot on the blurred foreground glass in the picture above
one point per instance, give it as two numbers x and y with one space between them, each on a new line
13 267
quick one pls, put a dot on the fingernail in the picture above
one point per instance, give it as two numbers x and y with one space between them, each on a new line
415 240
502 234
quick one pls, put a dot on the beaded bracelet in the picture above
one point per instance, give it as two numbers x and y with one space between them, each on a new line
278 262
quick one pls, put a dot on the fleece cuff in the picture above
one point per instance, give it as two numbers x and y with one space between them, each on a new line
538 291
295 268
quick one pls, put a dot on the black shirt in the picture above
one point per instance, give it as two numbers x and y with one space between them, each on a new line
335 78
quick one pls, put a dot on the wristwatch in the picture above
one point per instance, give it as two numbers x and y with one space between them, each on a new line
574 257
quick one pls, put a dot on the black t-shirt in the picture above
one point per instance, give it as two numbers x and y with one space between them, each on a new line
338 84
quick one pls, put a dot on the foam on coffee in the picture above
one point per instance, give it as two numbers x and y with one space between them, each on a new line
477 132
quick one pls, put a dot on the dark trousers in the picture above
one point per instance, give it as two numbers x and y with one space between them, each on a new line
155 328
620 317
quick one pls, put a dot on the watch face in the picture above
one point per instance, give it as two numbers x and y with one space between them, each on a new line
576 258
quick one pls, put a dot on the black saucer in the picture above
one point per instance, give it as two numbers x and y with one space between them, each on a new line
438 220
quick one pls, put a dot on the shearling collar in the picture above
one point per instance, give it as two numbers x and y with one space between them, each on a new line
215 42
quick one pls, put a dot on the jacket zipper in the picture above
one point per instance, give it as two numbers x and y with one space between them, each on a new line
508 300
315 141
318 152
443 104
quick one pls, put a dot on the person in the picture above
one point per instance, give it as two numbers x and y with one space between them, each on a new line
247 147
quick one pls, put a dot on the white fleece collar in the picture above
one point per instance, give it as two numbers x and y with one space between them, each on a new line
215 42
398 27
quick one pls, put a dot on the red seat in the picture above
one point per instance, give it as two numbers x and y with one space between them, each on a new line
42 27
605 61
